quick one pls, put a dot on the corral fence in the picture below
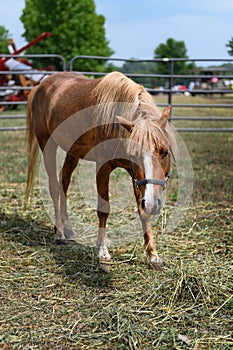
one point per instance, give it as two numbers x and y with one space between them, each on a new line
205 81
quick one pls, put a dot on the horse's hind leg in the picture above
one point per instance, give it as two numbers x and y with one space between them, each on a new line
65 176
103 209
49 155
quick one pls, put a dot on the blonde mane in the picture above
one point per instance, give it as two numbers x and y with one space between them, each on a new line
117 95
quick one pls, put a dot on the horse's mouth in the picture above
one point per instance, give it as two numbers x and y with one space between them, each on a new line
155 211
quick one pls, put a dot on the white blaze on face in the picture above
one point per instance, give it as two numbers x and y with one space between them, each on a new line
149 192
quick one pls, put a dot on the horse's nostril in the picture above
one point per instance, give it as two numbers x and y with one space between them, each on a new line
152 208
157 207
143 204
159 203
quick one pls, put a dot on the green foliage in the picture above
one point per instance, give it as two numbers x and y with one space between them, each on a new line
172 49
230 45
76 30
141 68
228 66
4 35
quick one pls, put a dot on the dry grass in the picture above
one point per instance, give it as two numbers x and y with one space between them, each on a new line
57 297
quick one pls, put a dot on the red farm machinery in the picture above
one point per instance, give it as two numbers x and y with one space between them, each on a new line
17 75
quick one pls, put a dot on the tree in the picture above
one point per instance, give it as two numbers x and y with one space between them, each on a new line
141 68
172 49
230 45
4 36
76 30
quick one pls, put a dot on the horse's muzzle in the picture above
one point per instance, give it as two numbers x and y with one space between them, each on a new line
152 209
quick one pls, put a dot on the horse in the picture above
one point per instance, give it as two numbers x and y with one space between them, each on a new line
112 121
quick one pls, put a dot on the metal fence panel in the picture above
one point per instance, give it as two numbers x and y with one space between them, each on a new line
170 78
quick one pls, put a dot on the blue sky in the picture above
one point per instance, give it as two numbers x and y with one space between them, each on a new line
135 28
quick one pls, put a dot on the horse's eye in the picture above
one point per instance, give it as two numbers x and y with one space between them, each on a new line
165 154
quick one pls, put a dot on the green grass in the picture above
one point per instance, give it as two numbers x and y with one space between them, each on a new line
58 297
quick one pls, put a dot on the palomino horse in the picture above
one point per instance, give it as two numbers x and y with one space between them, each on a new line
81 115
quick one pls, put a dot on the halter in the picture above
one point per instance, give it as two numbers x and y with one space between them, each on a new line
139 183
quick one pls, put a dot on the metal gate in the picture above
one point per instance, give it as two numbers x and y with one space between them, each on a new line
169 87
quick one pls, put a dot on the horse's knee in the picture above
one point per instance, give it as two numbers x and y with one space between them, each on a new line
103 208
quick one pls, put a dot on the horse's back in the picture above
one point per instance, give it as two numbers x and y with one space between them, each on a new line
60 96
58 82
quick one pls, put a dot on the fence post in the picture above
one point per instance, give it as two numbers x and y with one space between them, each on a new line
171 83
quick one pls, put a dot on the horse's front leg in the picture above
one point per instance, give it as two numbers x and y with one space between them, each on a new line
103 209
150 246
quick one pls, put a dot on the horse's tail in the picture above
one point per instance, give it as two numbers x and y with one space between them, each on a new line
32 148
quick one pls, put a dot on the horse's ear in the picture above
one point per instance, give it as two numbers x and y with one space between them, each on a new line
125 123
164 117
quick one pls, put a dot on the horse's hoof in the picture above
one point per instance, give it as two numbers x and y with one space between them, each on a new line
105 259
103 254
157 263
60 241
69 233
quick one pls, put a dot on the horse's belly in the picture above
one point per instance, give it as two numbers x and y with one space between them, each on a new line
83 151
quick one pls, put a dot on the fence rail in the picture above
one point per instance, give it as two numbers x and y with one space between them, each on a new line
170 78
